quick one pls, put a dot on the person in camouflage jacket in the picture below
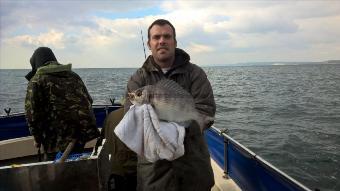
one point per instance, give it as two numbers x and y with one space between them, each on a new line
58 106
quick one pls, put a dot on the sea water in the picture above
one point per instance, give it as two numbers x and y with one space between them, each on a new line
289 115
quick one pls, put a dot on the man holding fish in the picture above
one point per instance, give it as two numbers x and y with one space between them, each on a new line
179 91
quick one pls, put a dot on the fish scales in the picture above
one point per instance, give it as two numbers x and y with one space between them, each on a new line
170 101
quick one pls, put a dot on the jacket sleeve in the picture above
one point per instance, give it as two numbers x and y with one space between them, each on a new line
202 92
35 114
137 80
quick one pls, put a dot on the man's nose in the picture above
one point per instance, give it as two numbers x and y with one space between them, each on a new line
162 40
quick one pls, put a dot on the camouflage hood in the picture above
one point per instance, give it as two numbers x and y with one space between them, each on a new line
53 67
41 57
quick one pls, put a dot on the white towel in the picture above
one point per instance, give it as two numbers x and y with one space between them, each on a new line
144 134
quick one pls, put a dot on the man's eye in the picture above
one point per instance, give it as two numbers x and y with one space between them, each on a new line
156 37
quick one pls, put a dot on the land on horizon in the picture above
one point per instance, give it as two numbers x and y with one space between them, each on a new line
278 63
267 63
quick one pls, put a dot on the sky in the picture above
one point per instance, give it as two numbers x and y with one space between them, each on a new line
107 34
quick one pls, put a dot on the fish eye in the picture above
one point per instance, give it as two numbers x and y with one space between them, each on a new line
138 93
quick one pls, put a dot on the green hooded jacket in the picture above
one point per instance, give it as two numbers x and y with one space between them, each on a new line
59 108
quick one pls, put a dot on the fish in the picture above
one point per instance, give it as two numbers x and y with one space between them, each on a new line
170 101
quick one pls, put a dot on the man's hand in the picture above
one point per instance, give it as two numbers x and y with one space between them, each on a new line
37 145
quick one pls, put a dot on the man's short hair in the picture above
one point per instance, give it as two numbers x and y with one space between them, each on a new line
162 22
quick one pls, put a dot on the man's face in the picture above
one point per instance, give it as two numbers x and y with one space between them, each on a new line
162 43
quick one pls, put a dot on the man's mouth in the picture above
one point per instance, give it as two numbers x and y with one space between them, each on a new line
163 48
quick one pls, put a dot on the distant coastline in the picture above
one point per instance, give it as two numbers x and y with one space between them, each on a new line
270 63
279 63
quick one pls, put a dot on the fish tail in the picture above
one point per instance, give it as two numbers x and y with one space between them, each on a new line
205 121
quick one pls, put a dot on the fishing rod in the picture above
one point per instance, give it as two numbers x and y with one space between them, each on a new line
141 33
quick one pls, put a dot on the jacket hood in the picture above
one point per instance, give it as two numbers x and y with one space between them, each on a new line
181 58
53 67
30 75
40 57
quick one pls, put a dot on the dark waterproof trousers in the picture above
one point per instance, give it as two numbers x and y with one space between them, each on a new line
192 171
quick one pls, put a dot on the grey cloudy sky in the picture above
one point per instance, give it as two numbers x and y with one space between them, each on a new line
106 34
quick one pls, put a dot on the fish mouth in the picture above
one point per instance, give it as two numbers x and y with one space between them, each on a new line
131 96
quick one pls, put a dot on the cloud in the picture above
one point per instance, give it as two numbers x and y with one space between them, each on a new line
320 30
52 38
199 48
35 16
107 33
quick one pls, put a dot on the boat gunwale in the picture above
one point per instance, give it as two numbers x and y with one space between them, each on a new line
103 106
227 140
257 158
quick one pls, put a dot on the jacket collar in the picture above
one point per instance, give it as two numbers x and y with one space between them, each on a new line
53 67
181 58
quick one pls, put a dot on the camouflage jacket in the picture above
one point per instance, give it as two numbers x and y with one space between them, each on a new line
59 108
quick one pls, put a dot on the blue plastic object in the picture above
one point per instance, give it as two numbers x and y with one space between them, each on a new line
72 156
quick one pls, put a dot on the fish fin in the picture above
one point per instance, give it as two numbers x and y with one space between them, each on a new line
173 87
205 121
